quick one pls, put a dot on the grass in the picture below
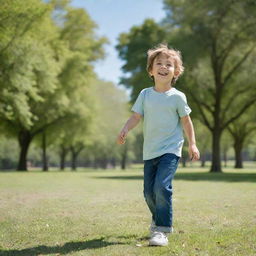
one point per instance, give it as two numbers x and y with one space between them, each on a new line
103 213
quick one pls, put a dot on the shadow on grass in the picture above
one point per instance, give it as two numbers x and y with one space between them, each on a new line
196 176
61 250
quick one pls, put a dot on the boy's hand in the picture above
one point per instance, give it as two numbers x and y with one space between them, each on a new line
194 153
122 136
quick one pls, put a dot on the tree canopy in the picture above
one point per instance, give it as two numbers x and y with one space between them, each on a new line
45 67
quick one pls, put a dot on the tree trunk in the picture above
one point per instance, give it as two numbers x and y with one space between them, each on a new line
184 162
123 162
24 142
45 160
63 154
74 154
62 161
225 157
95 163
203 157
216 159
113 163
74 161
103 162
124 157
238 154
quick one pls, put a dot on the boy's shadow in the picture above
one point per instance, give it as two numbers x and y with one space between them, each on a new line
61 250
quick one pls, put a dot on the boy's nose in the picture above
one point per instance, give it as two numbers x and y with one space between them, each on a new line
163 67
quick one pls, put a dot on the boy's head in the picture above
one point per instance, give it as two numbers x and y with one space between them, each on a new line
173 55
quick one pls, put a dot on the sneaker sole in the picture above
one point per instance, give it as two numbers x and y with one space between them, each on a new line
156 244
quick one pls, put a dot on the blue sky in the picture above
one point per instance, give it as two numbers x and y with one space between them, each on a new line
114 17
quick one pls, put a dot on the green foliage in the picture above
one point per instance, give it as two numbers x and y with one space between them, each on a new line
111 113
47 51
132 48
230 23
8 153
25 61
218 79
221 37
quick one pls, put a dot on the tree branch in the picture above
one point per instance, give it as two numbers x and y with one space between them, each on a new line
231 100
41 129
77 150
223 13
26 28
243 109
225 52
251 130
233 70
199 104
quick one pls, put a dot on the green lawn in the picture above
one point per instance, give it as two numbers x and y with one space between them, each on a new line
103 213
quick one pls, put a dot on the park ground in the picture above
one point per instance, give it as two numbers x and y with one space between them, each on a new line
102 212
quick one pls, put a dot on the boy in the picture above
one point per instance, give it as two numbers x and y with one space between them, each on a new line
164 109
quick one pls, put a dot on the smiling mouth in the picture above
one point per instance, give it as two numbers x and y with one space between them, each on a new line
162 74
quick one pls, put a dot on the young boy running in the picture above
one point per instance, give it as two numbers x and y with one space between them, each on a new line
165 112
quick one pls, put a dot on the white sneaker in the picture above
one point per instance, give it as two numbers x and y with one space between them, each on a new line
158 239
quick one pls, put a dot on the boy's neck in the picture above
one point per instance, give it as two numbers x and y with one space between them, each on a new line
162 87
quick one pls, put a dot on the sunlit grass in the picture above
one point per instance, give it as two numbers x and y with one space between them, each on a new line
103 213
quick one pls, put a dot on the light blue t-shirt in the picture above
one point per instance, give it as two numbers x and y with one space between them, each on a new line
162 128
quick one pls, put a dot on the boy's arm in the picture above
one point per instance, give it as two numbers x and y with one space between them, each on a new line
194 153
131 123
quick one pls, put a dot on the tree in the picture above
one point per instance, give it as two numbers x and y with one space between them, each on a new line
226 144
241 131
48 77
8 152
16 62
111 114
26 77
222 37
203 139
63 150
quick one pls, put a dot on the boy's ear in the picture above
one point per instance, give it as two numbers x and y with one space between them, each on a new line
176 73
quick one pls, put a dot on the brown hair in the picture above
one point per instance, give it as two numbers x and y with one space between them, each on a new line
170 52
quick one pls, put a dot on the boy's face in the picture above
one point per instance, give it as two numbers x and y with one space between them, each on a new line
163 68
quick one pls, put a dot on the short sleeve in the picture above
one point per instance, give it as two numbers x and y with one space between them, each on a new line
182 106
138 106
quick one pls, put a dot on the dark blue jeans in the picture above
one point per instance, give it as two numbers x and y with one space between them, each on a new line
158 175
